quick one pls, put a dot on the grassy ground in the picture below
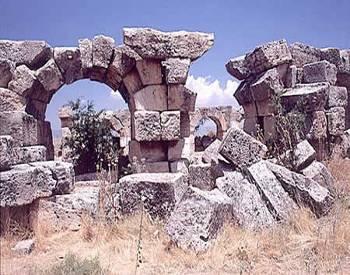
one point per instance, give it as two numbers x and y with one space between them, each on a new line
303 245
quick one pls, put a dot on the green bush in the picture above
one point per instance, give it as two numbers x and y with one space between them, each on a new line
92 144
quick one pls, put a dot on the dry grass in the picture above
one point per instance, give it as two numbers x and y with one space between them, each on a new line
303 245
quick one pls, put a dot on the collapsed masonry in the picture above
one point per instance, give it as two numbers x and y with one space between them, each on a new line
315 81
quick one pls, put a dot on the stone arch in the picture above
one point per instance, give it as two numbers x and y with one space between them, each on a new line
149 70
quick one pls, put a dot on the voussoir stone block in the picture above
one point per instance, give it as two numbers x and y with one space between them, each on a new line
280 204
102 51
10 101
34 53
23 80
338 97
69 62
85 48
268 56
50 76
151 98
237 67
6 152
198 218
132 82
248 208
336 121
176 70
151 43
7 68
241 149
147 126
158 192
150 71
321 71
170 125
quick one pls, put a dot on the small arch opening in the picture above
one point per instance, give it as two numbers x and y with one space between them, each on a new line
206 131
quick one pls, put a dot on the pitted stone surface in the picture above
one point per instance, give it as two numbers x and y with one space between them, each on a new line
176 70
147 126
318 172
6 152
69 62
237 67
338 97
7 68
50 76
22 81
321 71
170 125
336 121
10 101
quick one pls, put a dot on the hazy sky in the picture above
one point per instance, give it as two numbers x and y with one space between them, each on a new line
239 26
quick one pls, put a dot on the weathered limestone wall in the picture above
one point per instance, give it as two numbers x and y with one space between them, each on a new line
316 81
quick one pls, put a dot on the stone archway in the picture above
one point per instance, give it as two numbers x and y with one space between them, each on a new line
149 70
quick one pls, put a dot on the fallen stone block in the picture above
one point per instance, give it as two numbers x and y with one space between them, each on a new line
10 101
267 56
248 208
336 121
33 54
316 125
181 98
149 71
321 71
157 192
170 125
211 153
7 68
302 156
318 172
147 126
278 201
23 81
124 60
203 175
303 54
176 70
29 154
150 43
151 98
69 62
338 97
241 149
237 67
332 55
50 76
6 152
24 247
66 212
308 97
197 219
303 190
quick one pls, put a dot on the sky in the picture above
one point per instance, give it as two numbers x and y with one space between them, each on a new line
239 26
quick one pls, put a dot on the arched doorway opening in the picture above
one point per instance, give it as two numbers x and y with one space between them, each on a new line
205 133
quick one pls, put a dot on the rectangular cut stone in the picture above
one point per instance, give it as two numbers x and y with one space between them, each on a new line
268 56
154 151
269 128
237 67
316 125
266 107
321 71
29 154
250 126
303 54
291 78
102 51
250 110
6 152
147 126
69 61
170 125
243 94
336 121
176 70
157 167
303 190
150 71
124 60
318 172
151 98
332 55
85 48
181 149
10 101
303 155
241 149
160 192
181 98
132 82
338 97
248 208
309 97
36 108
279 202
202 176
23 81
197 219
179 166
50 76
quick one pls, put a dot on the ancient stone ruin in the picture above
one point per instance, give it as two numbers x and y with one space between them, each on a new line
234 180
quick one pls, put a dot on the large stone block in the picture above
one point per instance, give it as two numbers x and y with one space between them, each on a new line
321 71
251 126
65 212
157 167
23 81
248 208
307 97
151 98
157 192
152 151
10 101
241 149
85 48
6 152
318 172
268 56
147 126
202 175
211 153
7 68
150 71
277 199
36 108
338 97
198 218
243 94
250 109
69 61
170 125
176 70
303 190
181 98
181 149
102 51
150 43
302 155
132 82
237 67
34 54
50 76
124 60
336 121
303 54
332 55
316 125
29 154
